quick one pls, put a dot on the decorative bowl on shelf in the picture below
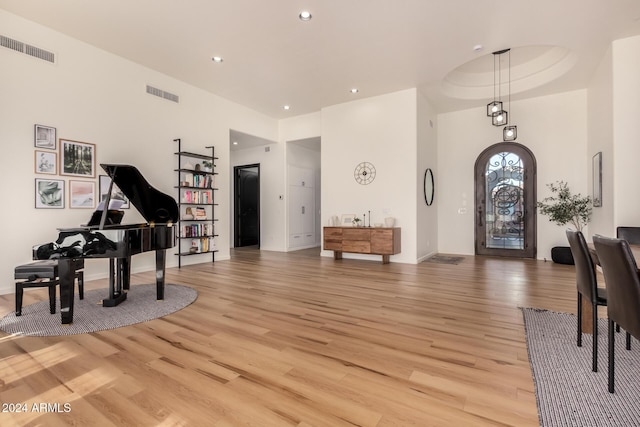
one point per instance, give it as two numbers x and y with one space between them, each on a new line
378 224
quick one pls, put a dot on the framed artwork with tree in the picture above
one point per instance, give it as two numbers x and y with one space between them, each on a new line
77 158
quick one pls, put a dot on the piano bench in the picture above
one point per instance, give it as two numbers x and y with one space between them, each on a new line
40 274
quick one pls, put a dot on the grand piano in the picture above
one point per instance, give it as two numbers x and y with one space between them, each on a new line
105 237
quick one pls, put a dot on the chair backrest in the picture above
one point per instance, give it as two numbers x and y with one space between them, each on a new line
623 283
630 234
585 272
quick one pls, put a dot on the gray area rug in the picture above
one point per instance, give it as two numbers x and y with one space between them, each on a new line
567 391
444 259
89 315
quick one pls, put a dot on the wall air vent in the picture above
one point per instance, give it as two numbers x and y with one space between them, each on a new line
163 94
27 49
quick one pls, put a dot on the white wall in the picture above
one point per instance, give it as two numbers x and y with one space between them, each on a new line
626 131
93 96
305 157
273 176
600 139
272 210
299 128
552 127
427 157
381 130
614 107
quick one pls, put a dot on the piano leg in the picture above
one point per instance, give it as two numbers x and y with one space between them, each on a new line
126 272
67 276
160 264
116 273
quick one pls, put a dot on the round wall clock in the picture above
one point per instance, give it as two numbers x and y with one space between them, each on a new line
364 173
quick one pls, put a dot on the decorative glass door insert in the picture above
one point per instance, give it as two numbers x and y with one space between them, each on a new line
505 201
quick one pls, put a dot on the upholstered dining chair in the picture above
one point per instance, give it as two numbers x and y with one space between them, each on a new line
587 284
630 234
623 286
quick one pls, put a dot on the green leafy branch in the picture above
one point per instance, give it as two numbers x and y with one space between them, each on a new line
566 208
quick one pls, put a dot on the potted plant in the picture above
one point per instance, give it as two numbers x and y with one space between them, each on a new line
207 165
356 222
565 208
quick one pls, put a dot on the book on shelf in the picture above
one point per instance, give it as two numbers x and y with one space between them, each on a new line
202 245
196 180
196 196
201 213
202 181
196 230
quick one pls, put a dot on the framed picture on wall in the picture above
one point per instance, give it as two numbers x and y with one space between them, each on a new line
46 162
82 194
77 158
45 137
597 179
346 220
49 193
116 194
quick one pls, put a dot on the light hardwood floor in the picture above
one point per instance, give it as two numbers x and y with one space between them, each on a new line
294 339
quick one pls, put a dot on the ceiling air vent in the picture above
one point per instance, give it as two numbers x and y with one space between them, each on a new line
162 94
27 49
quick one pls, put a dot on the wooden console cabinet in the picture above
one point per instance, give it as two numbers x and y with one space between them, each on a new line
362 240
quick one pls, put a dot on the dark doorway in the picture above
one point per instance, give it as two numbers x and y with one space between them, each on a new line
247 205
505 199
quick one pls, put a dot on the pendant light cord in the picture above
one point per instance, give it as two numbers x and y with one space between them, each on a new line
494 79
510 84
499 79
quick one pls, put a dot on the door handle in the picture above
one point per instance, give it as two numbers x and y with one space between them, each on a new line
303 209
480 224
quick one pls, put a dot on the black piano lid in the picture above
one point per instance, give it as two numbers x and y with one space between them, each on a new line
153 205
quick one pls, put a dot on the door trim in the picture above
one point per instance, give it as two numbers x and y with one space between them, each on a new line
236 202
530 199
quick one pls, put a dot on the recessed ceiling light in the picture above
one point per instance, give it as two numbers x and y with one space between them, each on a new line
305 15
354 90
217 59
478 47
235 142
286 107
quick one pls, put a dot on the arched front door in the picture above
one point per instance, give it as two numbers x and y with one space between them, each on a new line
505 201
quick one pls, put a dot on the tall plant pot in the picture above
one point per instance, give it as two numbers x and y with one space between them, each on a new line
562 255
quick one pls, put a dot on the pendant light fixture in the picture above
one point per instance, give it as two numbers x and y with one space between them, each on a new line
510 133
495 109
501 118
